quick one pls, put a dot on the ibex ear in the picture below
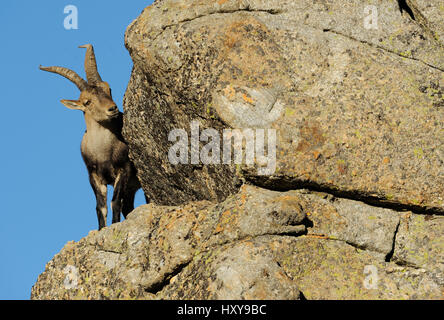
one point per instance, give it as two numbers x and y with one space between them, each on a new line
73 104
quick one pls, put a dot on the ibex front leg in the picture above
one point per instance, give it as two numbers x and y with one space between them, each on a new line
100 191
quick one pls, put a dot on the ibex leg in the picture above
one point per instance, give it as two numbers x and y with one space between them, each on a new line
100 191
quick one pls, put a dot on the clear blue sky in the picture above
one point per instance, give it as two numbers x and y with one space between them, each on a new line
45 194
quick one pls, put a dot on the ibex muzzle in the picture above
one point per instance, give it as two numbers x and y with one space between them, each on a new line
103 148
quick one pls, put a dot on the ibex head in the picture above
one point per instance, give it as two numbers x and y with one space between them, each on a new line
95 95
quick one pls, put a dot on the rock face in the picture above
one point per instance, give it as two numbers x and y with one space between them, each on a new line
357 111
354 207
257 244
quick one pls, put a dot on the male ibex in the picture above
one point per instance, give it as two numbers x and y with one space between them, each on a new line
103 148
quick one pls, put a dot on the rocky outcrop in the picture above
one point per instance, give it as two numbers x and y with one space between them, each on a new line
358 111
257 244
354 208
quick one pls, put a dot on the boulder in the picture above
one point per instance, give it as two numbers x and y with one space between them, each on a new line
356 103
257 244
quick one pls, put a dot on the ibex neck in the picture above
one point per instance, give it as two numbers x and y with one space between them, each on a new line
114 126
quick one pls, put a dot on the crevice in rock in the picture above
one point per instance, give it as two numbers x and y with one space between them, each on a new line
108 250
283 185
355 245
389 255
403 6
289 233
421 20
246 9
403 263
351 244
307 223
381 48
157 287
296 233
330 238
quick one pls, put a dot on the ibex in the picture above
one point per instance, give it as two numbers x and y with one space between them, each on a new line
103 148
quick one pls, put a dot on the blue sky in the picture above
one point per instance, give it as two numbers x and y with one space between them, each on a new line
46 197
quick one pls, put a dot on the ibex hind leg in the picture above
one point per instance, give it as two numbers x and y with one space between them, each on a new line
130 193
128 202
116 202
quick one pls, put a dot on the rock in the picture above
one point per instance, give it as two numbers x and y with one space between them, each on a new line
139 254
429 13
354 222
242 270
420 244
257 244
357 110
334 270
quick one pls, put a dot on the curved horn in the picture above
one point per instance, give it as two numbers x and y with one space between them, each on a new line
92 75
68 74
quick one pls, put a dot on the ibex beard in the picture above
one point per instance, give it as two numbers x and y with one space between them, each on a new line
103 147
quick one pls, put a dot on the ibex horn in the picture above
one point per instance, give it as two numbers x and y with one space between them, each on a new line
92 75
68 74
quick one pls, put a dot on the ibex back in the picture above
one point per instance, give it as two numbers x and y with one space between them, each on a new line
103 148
